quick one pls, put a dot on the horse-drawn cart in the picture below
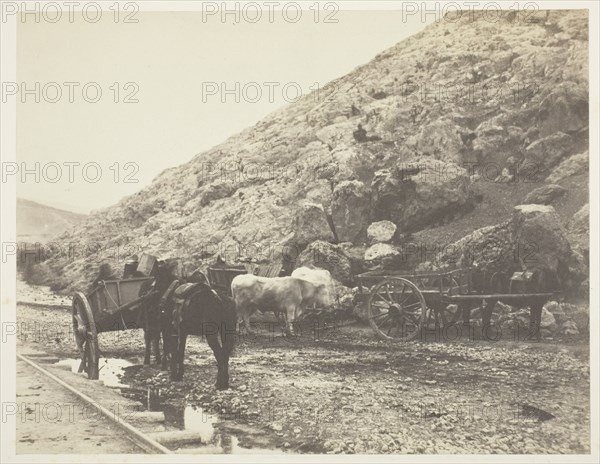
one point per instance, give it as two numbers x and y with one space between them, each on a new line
400 305
112 305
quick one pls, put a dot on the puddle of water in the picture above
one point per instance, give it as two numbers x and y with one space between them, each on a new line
111 369
210 427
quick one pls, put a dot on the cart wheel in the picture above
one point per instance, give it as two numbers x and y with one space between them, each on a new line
86 335
396 309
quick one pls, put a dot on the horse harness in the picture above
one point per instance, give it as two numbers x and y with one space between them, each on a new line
181 294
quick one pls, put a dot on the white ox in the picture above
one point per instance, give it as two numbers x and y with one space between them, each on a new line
286 296
321 278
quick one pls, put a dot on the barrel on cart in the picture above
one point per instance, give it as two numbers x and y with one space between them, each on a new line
112 305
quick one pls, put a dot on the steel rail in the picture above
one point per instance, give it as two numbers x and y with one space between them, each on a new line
138 437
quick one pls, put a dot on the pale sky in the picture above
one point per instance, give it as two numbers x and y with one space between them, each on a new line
168 56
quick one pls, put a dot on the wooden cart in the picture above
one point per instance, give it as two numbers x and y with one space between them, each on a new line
400 305
112 305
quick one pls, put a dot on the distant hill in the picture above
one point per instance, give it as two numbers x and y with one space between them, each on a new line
41 223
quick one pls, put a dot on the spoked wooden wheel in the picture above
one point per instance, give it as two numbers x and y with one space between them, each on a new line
86 335
396 309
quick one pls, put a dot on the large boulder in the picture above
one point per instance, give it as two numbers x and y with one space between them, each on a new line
356 255
216 191
319 192
324 255
572 166
382 256
533 239
350 210
381 232
310 224
540 239
546 153
488 249
579 229
564 109
494 142
579 237
545 195
421 193
440 140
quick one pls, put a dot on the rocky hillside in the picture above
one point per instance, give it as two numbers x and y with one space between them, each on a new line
40 223
463 121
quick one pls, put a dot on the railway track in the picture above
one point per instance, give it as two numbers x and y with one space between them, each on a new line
149 442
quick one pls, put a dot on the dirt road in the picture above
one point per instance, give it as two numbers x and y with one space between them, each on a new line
342 391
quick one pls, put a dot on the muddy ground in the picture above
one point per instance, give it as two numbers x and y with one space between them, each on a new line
339 390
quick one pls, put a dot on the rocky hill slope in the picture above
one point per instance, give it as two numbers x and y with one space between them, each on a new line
463 121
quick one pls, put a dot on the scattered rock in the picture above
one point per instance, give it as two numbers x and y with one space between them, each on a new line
495 142
327 256
579 230
548 321
310 224
556 310
350 210
421 192
539 228
216 191
382 256
564 109
569 327
546 153
545 194
356 255
572 166
276 426
440 140
534 237
489 248
381 232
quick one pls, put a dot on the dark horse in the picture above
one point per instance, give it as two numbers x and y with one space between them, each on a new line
151 314
189 309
